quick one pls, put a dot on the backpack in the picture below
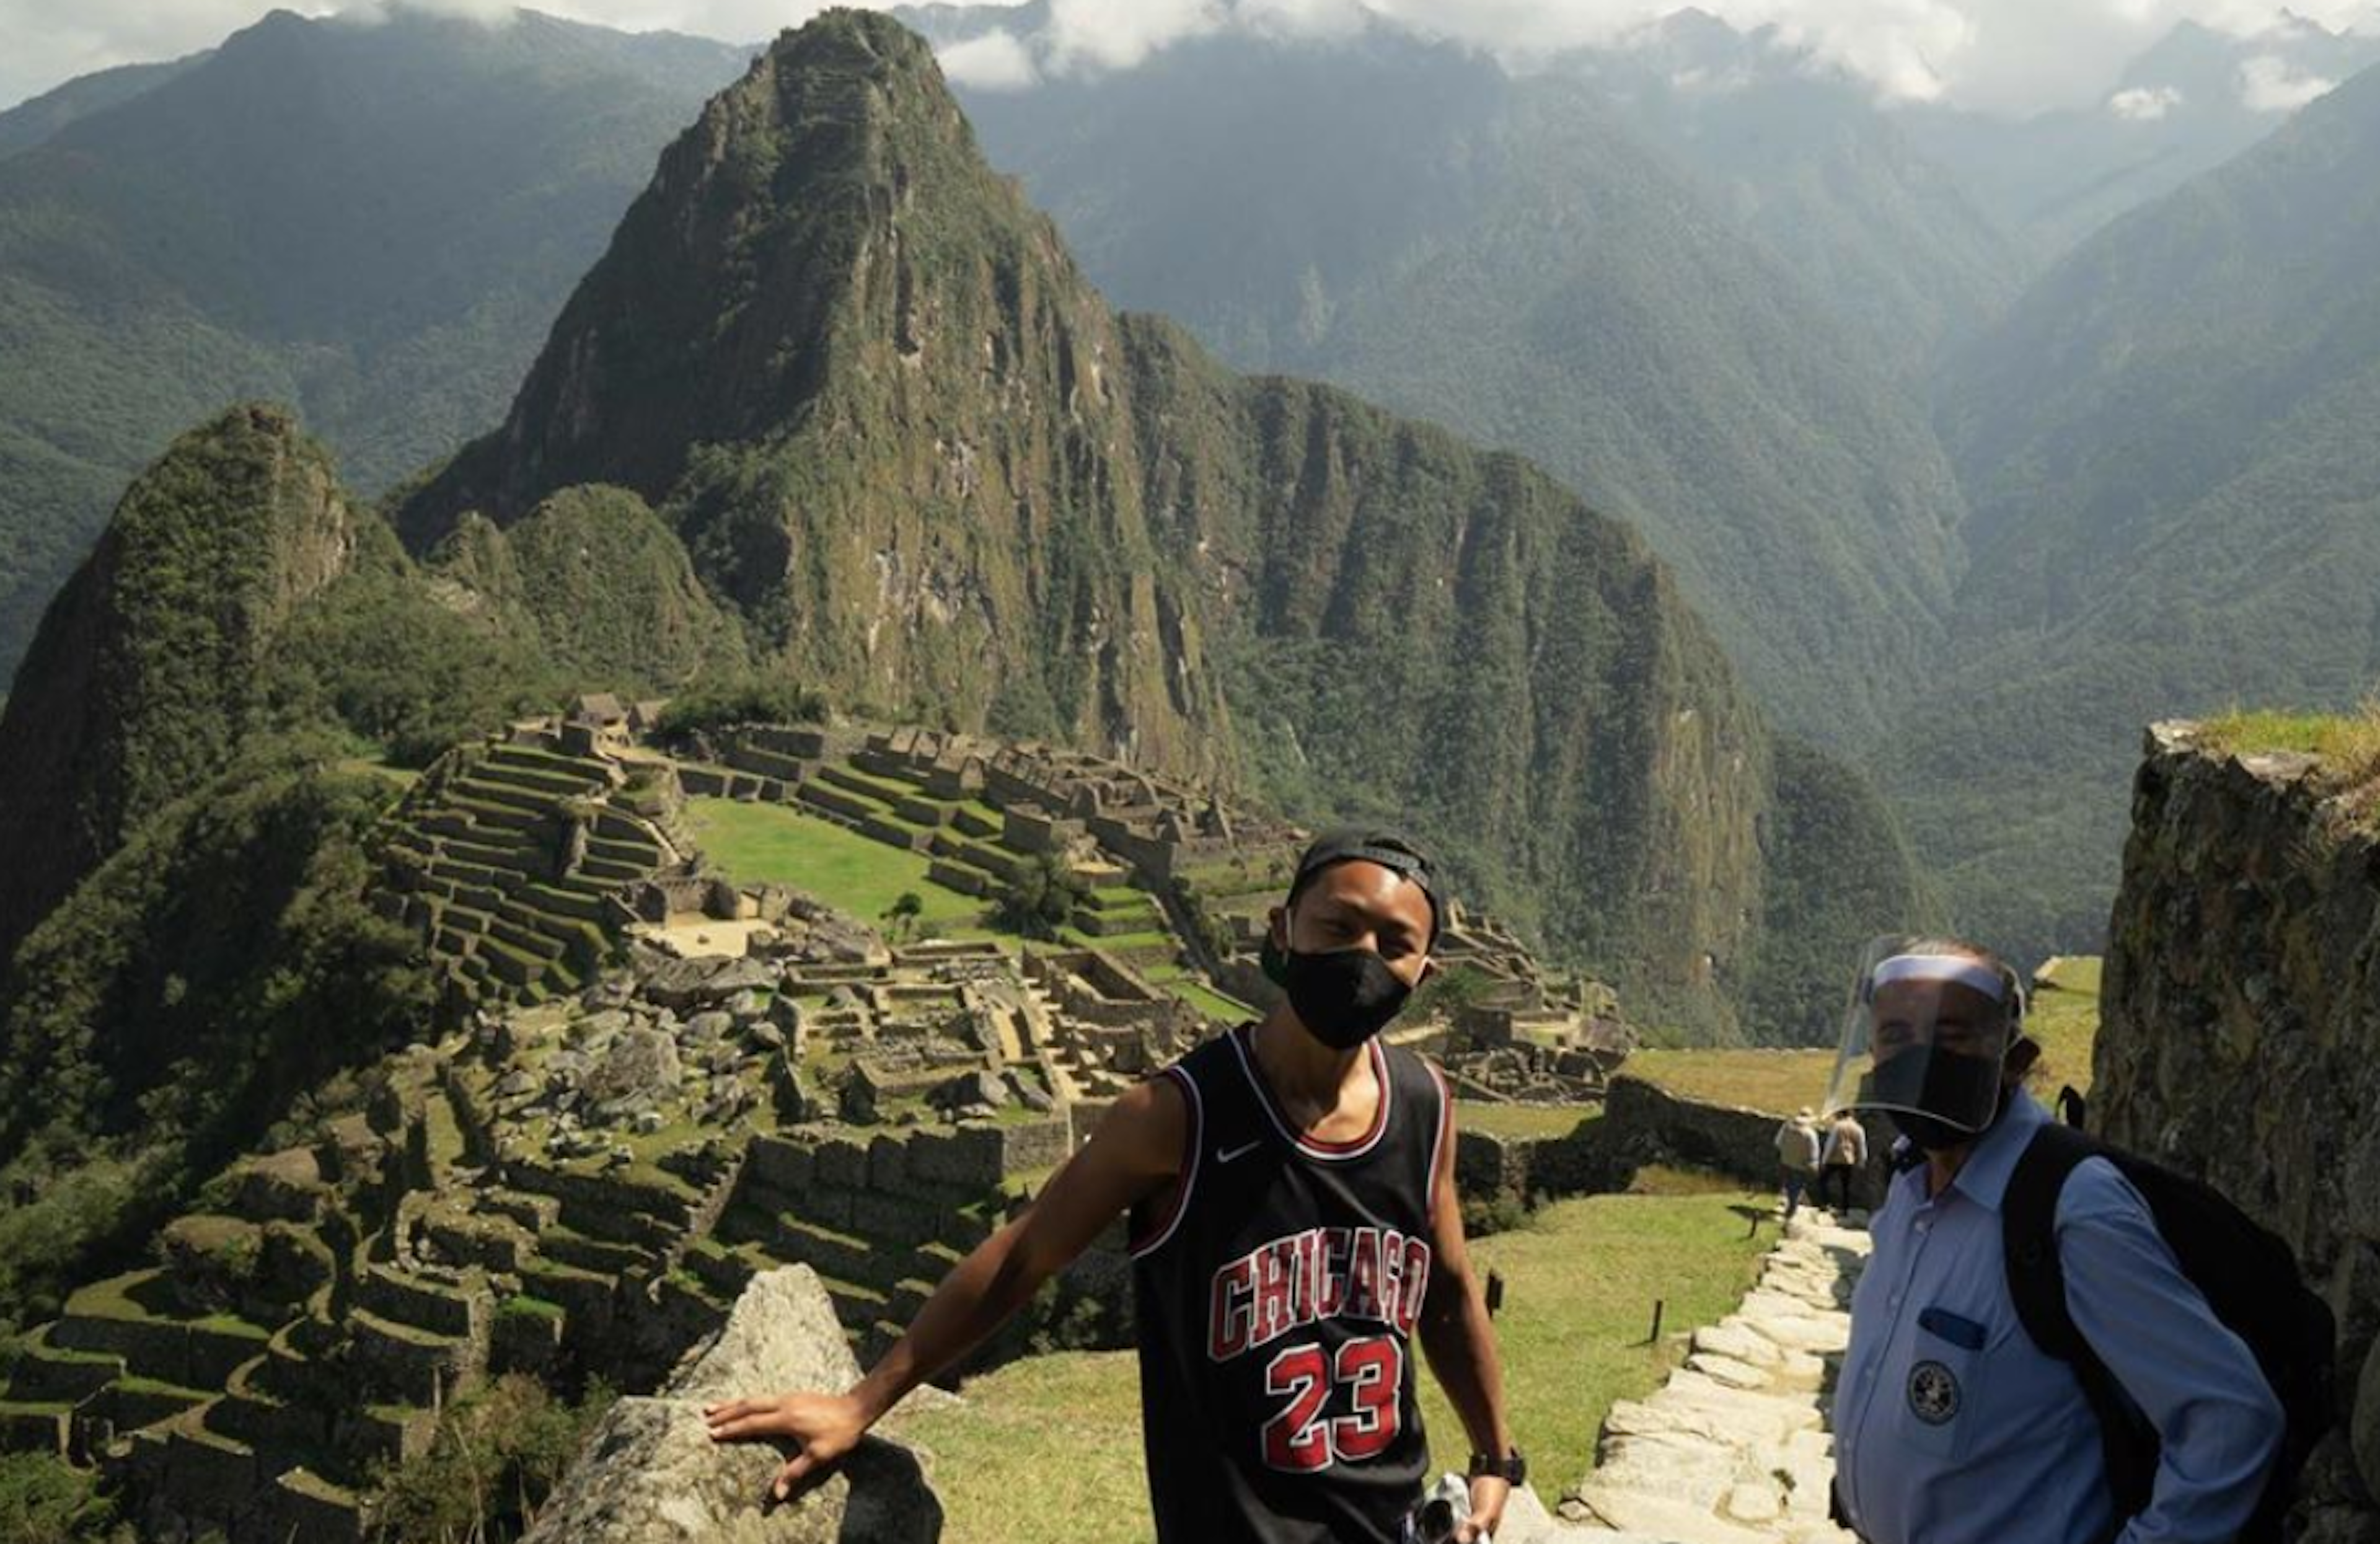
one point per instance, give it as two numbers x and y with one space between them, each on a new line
2246 1273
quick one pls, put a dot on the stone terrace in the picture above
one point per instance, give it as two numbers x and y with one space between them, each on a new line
511 856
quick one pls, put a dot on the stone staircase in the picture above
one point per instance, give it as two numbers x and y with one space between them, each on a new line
1734 1449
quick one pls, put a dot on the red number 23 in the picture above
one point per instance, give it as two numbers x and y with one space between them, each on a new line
1298 1439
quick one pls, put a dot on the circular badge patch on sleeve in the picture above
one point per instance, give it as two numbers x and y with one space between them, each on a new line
1932 1392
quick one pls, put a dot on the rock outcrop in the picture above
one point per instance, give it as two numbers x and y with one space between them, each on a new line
2239 1036
651 1475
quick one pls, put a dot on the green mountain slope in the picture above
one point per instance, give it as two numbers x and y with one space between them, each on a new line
147 674
38 118
1510 257
1815 169
901 432
2168 444
371 221
2187 104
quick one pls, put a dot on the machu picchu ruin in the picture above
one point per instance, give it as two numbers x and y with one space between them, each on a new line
653 1079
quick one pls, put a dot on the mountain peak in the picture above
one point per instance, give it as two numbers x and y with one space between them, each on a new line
721 307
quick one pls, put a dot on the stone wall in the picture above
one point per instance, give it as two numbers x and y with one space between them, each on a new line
1642 1124
2240 1038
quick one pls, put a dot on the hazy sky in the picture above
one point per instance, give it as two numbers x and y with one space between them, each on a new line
2010 56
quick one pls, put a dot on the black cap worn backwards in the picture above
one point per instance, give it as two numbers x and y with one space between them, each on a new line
1391 851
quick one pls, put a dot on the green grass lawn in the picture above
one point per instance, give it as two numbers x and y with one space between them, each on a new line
1778 1081
1580 1281
1523 1120
2064 1017
755 843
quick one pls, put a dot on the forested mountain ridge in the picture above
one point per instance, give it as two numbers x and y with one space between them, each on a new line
1510 256
2177 503
372 222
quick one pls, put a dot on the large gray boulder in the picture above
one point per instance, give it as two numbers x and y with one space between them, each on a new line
651 1475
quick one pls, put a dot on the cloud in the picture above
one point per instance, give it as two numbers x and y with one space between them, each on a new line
1112 35
2006 56
998 60
2145 104
2270 84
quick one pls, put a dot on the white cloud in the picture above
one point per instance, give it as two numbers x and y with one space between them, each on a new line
2013 55
2268 84
996 61
2145 104
1112 35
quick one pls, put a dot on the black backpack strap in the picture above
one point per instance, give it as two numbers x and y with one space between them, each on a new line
2036 1280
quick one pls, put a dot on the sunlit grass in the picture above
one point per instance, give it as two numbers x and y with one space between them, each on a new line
1580 1286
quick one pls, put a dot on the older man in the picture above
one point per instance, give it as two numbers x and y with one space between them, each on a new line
1951 1426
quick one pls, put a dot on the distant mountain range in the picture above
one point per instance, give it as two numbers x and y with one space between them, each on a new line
374 223
1907 399
2170 447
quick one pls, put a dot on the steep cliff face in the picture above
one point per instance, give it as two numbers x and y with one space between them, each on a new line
146 672
1407 623
867 382
911 448
2240 1038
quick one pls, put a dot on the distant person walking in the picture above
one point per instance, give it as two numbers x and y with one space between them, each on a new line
1846 1155
1797 1154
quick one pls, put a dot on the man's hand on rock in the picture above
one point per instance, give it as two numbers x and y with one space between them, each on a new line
826 1427
1488 1494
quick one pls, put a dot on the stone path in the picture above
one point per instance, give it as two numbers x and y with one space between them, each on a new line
1734 1449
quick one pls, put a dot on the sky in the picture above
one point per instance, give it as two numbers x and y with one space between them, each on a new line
2010 56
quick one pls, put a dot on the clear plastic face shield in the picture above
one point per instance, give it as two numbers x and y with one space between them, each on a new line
1926 1034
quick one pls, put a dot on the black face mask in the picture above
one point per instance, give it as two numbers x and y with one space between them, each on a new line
1345 996
1966 1085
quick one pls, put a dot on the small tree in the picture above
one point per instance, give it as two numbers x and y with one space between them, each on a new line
1041 898
899 918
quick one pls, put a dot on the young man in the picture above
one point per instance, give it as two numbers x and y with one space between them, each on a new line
1951 1426
1295 1227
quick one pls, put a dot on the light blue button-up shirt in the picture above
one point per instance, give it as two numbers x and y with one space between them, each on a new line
1990 1442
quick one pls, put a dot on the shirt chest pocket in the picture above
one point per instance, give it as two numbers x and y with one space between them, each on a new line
1949 1358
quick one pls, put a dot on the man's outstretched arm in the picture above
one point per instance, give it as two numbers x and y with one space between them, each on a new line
1137 1150
1460 1341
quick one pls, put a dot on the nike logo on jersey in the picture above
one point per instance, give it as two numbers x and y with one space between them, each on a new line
1226 1155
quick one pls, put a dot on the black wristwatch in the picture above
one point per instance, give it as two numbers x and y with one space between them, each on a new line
1512 1469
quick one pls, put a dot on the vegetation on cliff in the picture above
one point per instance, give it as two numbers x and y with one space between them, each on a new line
937 479
220 964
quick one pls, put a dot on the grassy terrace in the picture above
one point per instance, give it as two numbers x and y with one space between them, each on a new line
2064 1018
755 843
1065 1430
1523 1120
1781 1081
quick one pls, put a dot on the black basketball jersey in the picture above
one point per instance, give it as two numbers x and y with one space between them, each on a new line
1278 1284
